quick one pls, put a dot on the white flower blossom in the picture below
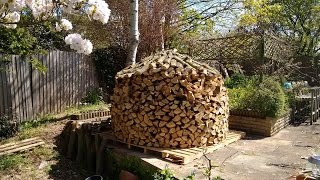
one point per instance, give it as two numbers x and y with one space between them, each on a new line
78 44
99 10
11 10
16 5
13 17
64 25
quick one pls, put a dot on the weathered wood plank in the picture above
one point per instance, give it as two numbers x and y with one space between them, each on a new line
2 87
73 77
50 84
15 93
58 81
46 92
21 88
76 75
28 90
22 141
69 69
23 148
6 102
10 77
35 91
54 83
41 86
64 72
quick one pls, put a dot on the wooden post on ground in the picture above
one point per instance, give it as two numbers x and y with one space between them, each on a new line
72 140
80 146
99 156
90 153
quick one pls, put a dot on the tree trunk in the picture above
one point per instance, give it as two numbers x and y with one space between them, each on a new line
134 42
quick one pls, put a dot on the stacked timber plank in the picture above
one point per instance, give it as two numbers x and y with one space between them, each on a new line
169 100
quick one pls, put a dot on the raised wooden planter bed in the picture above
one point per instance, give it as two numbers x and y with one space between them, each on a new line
265 126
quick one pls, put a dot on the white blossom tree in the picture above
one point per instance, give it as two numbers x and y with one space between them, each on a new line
11 11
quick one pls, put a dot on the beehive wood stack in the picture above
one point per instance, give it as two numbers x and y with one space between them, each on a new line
169 100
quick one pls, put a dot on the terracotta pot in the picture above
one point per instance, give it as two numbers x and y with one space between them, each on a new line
125 175
304 177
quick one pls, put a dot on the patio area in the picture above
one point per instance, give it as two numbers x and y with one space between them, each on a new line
278 157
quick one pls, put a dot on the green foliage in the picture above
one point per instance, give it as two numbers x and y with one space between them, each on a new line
236 80
9 126
217 178
192 25
94 97
259 12
17 41
264 95
31 38
108 62
11 161
37 122
166 174
116 163
296 20
270 98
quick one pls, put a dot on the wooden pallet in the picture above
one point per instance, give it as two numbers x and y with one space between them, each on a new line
23 145
181 156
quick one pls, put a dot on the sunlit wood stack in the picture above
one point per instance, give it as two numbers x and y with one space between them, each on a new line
169 100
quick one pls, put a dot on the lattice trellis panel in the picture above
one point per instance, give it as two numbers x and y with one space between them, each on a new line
250 50
235 47
277 49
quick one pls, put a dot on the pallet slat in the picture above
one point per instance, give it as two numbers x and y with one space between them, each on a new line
13 143
24 148
20 145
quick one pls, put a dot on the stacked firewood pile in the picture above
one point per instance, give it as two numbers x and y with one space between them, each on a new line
169 100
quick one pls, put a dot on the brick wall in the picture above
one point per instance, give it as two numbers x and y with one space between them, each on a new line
259 126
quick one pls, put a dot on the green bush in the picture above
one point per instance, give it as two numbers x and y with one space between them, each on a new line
9 126
117 162
166 174
17 41
108 62
236 80
94 97
264 95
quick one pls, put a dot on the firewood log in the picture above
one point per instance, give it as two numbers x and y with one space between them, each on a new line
169 100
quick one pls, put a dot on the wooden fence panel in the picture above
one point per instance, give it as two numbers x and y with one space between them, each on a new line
2 76
28 93
41 87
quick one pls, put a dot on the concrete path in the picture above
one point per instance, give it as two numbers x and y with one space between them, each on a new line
277 157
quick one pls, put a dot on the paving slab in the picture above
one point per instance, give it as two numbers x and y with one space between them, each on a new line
263 158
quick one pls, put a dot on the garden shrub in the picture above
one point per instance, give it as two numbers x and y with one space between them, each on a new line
108 62
236 80
117 162
9 126
93 97
263 95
